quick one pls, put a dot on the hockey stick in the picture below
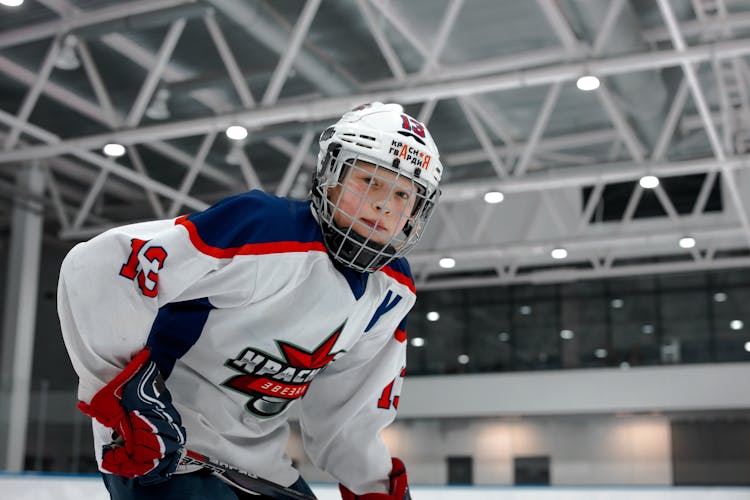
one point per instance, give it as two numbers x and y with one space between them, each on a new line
245 481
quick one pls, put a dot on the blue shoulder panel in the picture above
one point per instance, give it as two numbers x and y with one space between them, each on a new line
252 218
402 266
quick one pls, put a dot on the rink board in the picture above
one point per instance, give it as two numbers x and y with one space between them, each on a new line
64 487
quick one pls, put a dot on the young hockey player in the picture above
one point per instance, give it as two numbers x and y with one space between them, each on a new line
199 332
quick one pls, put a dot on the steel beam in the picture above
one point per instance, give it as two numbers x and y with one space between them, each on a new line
49 29
230 63
588 175
282 69
154 75
705 114
331 107
32 96
391 58
536 132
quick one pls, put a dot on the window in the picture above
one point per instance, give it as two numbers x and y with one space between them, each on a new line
531 470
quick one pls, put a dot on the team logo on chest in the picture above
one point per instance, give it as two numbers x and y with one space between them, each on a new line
273 383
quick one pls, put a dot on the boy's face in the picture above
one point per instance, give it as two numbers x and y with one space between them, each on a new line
374 202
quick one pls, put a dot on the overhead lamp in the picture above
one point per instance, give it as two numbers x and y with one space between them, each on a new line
66 58
433 316
559 253
463 359
567 334
587 83
447 262
503 336
113 149
417 341
649 181
236 132
11 3
600 353
736 324
720 297
687 242
158 109
617 303
747 346
525 310
493 197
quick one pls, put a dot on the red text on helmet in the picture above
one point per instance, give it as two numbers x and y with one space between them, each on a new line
410 154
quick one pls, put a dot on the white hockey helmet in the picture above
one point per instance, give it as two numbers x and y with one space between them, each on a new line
400 151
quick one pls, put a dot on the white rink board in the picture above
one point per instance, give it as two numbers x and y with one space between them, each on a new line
52 487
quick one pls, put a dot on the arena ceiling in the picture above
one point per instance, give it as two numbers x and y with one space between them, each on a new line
495 81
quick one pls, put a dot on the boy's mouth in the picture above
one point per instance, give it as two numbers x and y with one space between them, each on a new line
374 224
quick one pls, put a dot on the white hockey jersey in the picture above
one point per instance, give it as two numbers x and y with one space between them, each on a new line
245 313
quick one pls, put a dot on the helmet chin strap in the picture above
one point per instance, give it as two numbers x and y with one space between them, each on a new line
354 249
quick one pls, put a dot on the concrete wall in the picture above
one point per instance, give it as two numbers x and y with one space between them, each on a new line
583 450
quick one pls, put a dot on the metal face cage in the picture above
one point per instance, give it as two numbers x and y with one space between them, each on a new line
370 213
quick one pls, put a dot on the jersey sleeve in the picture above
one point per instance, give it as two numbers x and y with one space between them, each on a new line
112 287
349 404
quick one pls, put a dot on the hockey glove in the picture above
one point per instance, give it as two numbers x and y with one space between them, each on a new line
399 487
137 406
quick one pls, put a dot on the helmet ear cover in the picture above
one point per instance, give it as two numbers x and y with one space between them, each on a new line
329 162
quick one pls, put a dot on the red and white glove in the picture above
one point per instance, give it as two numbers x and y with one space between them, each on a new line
398 489
137 406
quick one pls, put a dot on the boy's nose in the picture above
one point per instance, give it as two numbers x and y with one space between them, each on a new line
383 205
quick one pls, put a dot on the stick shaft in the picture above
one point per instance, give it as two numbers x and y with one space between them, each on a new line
243 480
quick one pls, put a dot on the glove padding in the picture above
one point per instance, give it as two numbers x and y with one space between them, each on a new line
137 406
398 488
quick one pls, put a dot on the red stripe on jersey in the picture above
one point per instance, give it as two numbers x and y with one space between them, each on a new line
401 278
249 248
400 335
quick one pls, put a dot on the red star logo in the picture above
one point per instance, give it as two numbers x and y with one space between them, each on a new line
320 357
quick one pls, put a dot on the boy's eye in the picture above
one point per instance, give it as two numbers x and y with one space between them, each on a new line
402 194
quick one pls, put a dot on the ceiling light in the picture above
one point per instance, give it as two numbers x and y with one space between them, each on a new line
600 353
233 157
559 253
463 359
417 341
236 132
567 334
687 242
736 324
11 3
503 336
647 329
588 82
747 346
433 316
624 365
447 262
617 303
114 150
649 182
494 197
158 109
720 297
525 310
66 57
